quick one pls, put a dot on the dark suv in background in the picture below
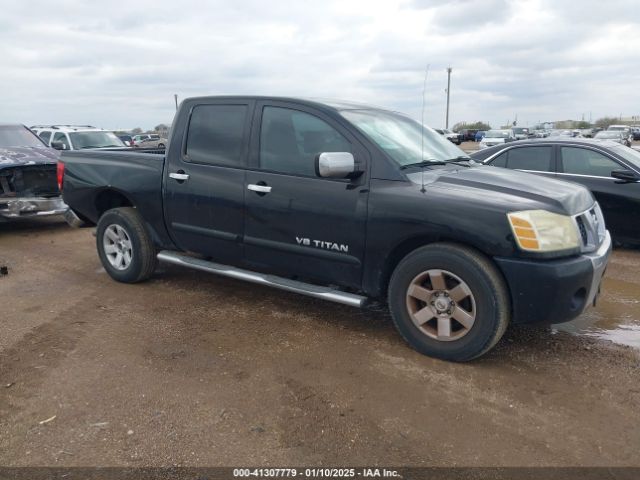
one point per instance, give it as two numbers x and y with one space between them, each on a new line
468 135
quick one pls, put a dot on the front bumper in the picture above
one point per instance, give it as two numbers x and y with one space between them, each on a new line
555 291
28 207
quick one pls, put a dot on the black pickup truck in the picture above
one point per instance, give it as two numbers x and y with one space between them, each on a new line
347 203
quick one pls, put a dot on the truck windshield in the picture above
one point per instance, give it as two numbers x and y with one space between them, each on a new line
403 139
18 136
82 140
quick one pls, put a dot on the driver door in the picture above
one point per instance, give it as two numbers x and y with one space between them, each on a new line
297 222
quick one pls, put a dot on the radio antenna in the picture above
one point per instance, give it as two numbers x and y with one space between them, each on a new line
424 93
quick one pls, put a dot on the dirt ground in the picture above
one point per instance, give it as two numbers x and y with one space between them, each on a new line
193 369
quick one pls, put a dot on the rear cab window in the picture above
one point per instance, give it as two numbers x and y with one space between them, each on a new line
215 135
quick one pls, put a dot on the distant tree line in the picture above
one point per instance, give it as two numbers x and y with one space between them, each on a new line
604 122
471 126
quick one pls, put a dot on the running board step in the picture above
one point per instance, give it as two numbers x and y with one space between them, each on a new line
308 289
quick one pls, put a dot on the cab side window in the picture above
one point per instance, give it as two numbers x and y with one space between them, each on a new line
582 161
290 140
45 137
62 138
500 160
215 134
530 158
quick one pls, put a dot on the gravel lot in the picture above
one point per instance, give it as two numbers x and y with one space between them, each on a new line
192 369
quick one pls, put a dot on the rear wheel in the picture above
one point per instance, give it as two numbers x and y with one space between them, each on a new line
449 301
124 245
161 145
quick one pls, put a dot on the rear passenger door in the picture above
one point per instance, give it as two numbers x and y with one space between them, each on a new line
593 169
298 223
538 159
205 182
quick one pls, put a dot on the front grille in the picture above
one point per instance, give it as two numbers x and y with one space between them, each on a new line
583 231
591 227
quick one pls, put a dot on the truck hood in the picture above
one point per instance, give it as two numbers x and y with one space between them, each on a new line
22 156
510 188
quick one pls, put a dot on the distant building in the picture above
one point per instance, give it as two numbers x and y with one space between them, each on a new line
162 129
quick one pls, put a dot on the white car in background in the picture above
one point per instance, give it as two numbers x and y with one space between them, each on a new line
520 133
496 137
77 137
449 135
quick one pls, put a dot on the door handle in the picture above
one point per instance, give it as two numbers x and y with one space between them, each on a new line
259 188
180 176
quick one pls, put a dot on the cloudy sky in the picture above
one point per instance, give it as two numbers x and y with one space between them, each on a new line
117 64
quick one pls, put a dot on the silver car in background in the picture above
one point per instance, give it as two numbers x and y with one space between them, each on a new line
619 136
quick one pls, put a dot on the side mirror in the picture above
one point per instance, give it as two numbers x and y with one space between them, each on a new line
335 165
626 176
59 145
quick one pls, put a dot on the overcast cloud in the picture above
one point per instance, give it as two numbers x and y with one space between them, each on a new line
118 64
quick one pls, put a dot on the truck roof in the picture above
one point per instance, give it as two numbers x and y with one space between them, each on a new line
322 103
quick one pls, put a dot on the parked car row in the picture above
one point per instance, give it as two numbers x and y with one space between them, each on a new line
79 137
628 133
76 137
496 137
449 135
28 158
151 140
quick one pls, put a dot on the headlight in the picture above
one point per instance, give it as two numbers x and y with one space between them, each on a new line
542 231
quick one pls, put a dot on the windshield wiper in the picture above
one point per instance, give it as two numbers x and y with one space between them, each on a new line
433 161
423 163
458 159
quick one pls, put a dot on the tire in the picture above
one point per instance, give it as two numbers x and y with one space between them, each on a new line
161 145
122 230
474 292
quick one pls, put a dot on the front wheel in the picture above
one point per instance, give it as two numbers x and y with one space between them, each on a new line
124 245
449 301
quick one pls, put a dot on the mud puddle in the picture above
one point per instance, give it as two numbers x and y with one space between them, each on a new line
615 318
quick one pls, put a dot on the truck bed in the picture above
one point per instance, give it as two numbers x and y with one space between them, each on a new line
96 180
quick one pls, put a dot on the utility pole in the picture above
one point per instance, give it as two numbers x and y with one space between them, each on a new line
175 97
448 93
